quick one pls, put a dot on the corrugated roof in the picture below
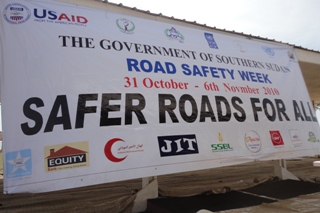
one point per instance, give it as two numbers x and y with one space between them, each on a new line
204 25
65 151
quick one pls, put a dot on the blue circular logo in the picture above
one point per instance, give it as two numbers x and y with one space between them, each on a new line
268 50
16 13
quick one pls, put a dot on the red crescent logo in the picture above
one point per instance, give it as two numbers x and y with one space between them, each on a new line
108 153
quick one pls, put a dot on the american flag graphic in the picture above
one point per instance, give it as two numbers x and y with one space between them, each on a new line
16 18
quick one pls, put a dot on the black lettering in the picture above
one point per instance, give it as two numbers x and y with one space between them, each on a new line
163 108
314 118
271 117
297 112
205 104
33 115
106 108
304 112
130 108
64 40
82 109
182 107
255 109
54 119
227 116
281 108
241 118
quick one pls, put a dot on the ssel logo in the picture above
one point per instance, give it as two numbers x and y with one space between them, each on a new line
276 138
66 156
221 146
177 145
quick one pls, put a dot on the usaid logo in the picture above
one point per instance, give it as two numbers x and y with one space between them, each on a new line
16 13
59 17
177 145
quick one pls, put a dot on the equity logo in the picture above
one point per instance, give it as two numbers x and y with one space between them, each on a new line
66 156
18 163
16 13
252 141
116 149
177 145
276 138
210 39
174 34
218 147
125 25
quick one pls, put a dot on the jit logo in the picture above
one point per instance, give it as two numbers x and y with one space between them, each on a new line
177 145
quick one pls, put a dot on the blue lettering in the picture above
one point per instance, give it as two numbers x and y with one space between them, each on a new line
244 75
231 72
145 65
252 76
16 8
222 72
132 63
52 15
44 13
196 71
205 70
171 69
266 79
260 78
158 67
186 69
214 72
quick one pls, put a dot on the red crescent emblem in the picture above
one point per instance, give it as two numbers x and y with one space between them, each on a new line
108 152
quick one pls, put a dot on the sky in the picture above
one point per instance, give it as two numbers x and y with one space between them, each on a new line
289 21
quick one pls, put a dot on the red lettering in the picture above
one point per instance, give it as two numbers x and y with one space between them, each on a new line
63 16
82 20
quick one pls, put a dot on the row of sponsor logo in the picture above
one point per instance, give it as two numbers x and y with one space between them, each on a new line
17 13
76 155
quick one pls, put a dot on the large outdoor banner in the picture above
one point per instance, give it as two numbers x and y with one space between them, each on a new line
92 96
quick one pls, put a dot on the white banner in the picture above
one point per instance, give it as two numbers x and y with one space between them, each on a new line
91 96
